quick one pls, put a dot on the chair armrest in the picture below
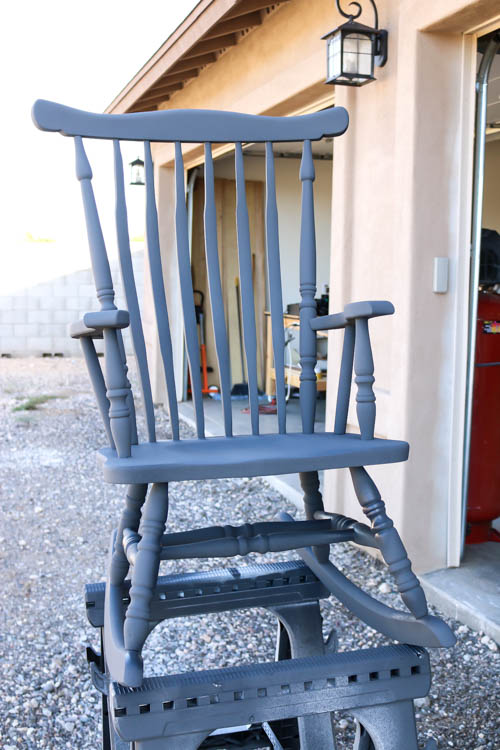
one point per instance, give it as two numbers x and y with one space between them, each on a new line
93 323
329 322
368 309
352 311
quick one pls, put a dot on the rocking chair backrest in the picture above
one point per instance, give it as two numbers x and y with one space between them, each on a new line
207 127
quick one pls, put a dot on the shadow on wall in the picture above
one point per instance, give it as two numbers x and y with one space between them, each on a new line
35 320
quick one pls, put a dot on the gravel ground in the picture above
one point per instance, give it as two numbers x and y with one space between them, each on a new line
56 517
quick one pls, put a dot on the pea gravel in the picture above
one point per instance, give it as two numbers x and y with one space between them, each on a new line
56 518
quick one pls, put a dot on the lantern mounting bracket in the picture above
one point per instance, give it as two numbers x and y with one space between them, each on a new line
353 16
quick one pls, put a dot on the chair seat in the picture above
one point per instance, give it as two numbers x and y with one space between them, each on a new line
247 456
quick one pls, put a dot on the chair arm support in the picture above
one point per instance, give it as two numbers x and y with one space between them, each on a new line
93 323
357 351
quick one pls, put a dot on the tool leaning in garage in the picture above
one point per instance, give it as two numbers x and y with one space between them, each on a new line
286 703
200 322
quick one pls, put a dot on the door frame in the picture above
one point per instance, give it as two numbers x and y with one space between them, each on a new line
467 136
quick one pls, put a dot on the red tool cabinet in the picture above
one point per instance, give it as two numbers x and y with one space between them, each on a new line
483 504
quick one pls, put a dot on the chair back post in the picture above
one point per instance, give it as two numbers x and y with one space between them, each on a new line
307 291
118 387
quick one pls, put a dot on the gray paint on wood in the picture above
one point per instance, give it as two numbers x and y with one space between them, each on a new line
307 292
118 390
98 384
246 288
190 330
274 281
345 380
160 302
189 125
127 273
215 287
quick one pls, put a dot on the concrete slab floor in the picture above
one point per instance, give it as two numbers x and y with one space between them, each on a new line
470 593
287 484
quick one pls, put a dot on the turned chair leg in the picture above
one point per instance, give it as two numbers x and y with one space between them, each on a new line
391 546
145 570
130 518
313 501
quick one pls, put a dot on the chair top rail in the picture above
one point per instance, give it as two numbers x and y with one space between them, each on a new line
189 126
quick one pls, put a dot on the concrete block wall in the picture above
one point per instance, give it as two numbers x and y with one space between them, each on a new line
35 321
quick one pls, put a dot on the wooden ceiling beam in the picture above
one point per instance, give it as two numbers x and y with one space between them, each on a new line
247 21
212 45
154 96
153 100
248 5
169 78
191 62
142 108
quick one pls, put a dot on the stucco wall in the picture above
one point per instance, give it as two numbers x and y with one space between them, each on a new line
402 196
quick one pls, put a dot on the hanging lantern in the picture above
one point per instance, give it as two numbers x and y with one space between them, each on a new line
353 50
137 172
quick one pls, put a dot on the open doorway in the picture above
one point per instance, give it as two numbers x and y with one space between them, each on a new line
471 591
288 193
482 464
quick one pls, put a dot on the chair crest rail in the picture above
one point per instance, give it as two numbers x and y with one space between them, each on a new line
189 126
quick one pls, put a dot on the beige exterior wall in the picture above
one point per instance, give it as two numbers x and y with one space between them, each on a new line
402 187
401 196
288 196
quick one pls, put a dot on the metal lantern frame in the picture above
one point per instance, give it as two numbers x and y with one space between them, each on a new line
137 172
354 49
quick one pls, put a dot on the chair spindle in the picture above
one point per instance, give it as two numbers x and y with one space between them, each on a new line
130 397
215 287
246 287
275 292
127 273
363 367
160 302
98 384
307 292
184 260
345 380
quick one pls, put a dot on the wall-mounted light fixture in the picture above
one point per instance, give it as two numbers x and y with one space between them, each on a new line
353 49
137 172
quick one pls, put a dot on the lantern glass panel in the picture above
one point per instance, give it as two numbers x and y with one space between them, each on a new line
137 174
357 55
334 55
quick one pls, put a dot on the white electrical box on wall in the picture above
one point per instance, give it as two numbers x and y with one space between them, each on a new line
440 275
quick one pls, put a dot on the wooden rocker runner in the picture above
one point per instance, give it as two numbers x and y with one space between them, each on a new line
288 703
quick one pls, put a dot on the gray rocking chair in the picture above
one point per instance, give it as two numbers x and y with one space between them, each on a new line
288 703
